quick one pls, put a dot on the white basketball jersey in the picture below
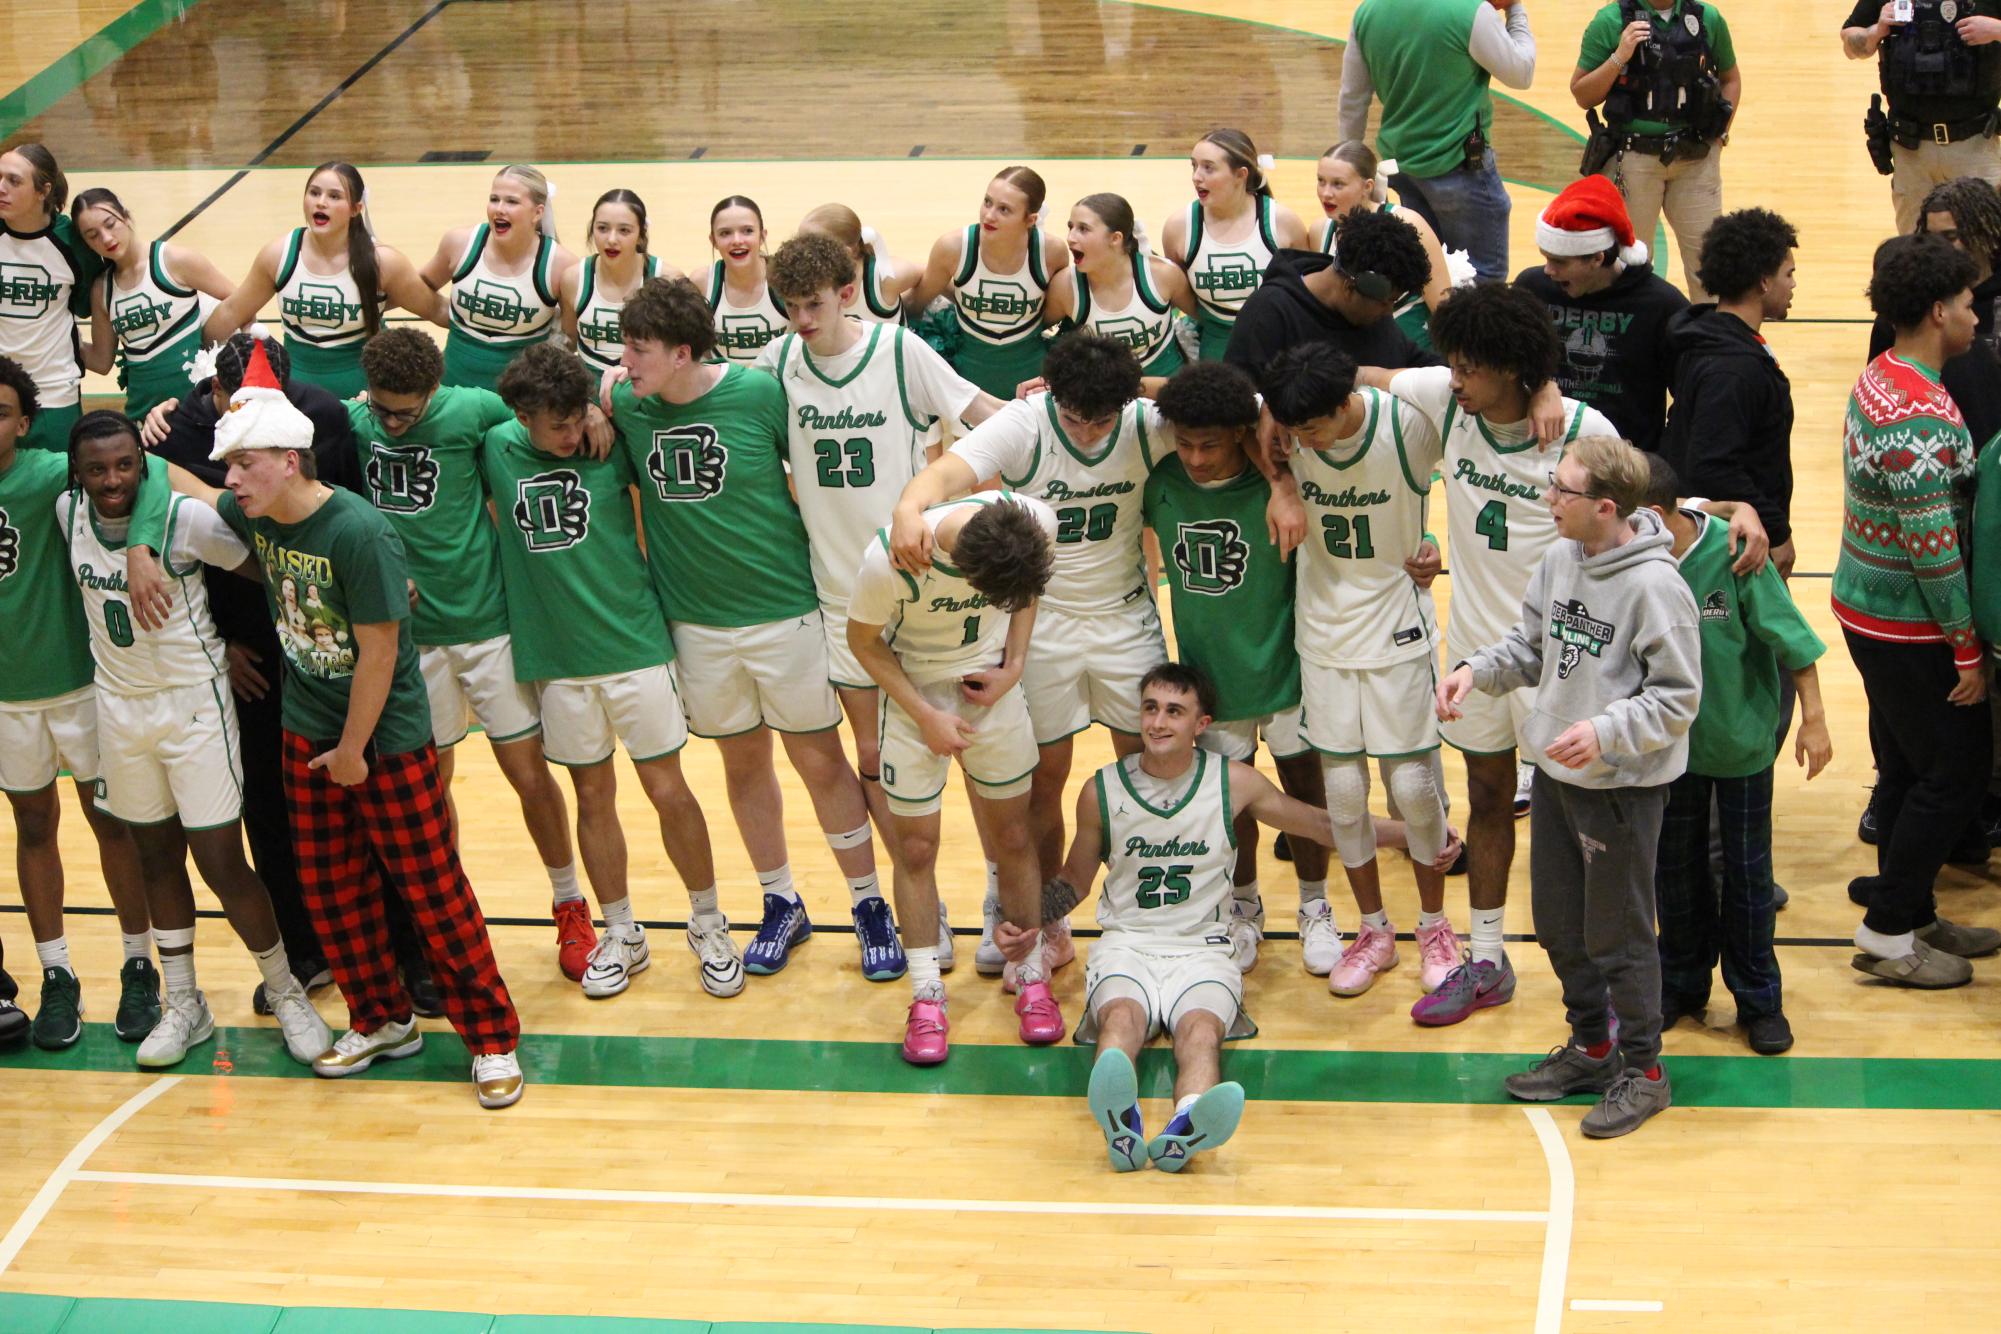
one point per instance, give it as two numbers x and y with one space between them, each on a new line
600 339
1168 868
1497 521
742 331
1355 605
323 309
131 660
853 443
155 313
503 309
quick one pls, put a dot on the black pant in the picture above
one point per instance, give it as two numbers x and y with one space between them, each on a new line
266 822
1932 761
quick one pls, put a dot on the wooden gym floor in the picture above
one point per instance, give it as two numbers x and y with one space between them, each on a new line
769 1158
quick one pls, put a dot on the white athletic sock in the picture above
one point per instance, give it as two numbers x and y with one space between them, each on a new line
1030 969
1250 893
1488 946
703 907
1427 920
993 880
1885 946
779 882
1379 920
863 888
139 946
178 968
618 918
563 882
1310 890
926 982
277 969
55 954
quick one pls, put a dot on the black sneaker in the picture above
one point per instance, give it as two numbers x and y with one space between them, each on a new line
13 1023
1281 849
1674 1009
1769 1034
59 1020
1865 828
424 996
138 1000
313 975
9 988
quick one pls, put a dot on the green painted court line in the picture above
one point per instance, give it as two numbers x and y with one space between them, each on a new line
67 73
992 1070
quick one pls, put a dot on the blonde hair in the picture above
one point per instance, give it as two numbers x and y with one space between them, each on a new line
539 190
1618 472
840 222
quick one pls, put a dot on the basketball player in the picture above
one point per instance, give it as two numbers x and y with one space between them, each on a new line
147 313
1229 233
997 272
730 560
594 291
332 282
49 272
882 280
958 631
748 314
48 722
1118 289
167 734
505 275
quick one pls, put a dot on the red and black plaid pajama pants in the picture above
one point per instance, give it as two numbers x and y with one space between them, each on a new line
399 813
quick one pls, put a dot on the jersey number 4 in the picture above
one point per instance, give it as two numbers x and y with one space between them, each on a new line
845 462
1163 886
1492 523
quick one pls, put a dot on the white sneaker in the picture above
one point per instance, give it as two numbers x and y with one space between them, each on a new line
1244 937
988 960
352 1052
1319 942
185 1022
722 962
1256 916
1524 785
497 1079
613 961
306 1034
948 953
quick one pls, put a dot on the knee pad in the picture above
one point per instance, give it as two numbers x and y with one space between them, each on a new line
1419 797
1348 810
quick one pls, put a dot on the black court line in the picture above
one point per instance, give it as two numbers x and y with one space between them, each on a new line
306 119
1080 932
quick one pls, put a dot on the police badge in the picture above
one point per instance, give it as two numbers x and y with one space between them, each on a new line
1949 10
1694 24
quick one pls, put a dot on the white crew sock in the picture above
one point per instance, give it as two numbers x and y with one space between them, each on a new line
926 982
993 881
55 954
863 888
1427 920
139 946
1030 969
779 882
618 918
1379 920
703 907
1310 890
1250 893
179 968
563 883
1885 946
272 963
1488 947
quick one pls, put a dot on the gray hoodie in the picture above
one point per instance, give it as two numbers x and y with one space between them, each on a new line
1626 644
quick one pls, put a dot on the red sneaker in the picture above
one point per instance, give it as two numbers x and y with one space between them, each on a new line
575 938
1041 1021
924 1033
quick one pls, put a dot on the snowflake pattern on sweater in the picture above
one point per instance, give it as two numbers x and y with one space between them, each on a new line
1907 465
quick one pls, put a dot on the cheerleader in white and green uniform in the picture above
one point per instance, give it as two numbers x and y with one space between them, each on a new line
46 272
882 280
147 310
506 276
1117 289
997 272
748 313
1350 177
595 291
332 282
1228 234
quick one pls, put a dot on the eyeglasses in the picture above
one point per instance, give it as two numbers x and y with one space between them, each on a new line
398 416
1560 489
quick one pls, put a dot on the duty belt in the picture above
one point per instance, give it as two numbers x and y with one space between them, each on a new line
1911 133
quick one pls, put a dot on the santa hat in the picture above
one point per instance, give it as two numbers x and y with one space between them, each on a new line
259 415
1588 218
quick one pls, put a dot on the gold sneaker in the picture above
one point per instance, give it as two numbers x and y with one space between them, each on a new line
354 1052
497 1079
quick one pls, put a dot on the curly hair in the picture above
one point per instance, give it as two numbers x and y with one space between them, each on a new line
1209 394
1005 555
402 361
1744 248
1091 375
1184 678
1372 241
1307 382
232 361
808 263
546 378
1911 274
1975 208
1499 327
23 384
672 312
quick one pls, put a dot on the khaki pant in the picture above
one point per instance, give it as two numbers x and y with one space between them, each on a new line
1690 193
1918 169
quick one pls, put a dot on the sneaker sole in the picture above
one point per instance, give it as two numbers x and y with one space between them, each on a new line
1486 1002
1115 1088
987 967
59 1043
924 1062
624 981
135 1034
410 1047
1357 991
1213 1119
507 1100
195 1039
1549 1096
1867 963
1590 1131
719 989
884 975
763 969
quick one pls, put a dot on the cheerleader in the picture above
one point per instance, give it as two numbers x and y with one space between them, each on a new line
595 291
997 272
1229 232
748 313
506 276
1350 177
1119 290
882 279
333 283
46 273
147 312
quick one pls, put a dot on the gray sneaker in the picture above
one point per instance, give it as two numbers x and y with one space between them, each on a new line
1924 967
1968 942
1627 1104
1566 1070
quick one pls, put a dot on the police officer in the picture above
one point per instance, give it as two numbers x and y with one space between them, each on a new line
1941 73
1667 76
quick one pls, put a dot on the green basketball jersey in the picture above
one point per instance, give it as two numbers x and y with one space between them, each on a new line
1231 594
426 481
723 537
579 599
44 648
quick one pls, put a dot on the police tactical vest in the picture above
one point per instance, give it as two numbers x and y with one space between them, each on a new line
1672 76
1925 58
